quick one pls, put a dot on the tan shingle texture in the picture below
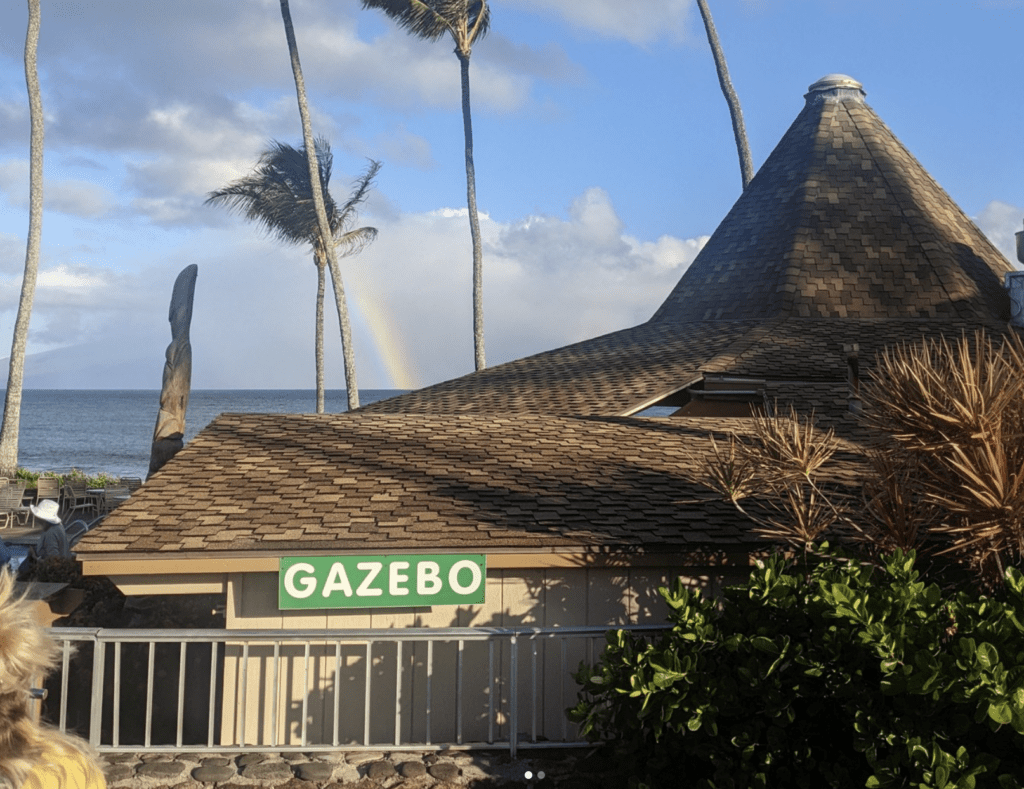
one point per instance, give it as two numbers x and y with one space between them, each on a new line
842 222
351 483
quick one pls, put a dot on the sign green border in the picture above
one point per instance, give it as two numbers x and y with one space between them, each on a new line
306 582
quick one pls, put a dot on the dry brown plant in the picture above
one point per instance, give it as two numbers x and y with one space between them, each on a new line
779 464
933 393
789 446
731 471
957 409
949 472
802 514
898 512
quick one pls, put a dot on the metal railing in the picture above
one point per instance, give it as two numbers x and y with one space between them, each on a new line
258 690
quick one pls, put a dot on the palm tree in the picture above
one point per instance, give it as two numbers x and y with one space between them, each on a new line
15 375
278 196
738 129
465 21
351 387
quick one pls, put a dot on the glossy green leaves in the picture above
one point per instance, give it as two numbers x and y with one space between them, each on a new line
841 674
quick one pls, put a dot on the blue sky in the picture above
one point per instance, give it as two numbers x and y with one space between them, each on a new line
604 158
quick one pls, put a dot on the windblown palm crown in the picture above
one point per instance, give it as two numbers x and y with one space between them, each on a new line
465 20
278 196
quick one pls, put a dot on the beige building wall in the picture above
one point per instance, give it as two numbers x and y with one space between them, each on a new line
333 678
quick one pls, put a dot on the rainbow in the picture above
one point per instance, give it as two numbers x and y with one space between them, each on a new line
386 340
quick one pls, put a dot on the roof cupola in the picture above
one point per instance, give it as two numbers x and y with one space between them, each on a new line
835 87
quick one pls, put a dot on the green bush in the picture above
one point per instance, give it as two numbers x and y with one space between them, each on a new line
91 481
838 675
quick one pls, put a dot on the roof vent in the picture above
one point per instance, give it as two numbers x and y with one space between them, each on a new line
1015 284
835 87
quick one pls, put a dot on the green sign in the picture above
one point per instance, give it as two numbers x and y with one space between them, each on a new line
381 581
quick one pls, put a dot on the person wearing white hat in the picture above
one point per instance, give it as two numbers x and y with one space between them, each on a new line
54 540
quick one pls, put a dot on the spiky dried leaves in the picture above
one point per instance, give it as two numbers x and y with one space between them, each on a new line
781 463
947 472
955 414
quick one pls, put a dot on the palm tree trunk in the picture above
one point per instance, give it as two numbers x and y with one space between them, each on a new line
319 333
351 387
12 401
738 129
474 221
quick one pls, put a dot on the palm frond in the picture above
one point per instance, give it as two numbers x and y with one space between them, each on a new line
479 14
466 20
278 196
419 18
354 241
347 213
349 242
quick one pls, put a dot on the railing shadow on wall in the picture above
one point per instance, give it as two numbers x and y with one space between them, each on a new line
427 688
480 681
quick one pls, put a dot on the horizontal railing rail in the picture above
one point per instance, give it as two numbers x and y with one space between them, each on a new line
218 689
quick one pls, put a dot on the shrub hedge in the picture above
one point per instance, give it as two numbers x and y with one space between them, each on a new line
100 480
839 674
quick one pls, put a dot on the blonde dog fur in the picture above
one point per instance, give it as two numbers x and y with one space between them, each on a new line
30 752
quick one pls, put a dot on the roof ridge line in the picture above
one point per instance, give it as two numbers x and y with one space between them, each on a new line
740 345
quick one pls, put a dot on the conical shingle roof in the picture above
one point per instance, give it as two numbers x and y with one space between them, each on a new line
842 221
841 240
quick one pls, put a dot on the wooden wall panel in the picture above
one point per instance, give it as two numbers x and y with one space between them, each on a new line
553 597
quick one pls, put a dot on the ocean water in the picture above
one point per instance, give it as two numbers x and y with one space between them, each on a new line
111 431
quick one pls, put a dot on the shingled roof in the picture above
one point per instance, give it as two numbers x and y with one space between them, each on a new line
842 240
842 237
401 483
842 222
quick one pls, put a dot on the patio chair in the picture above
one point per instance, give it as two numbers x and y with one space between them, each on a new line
132 483
48 488
113 495
12 510
77 499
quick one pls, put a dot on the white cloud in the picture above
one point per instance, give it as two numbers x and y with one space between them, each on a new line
402 147
12 253
72 197
80 285
77 198
14 182
548 282
196 54
1000 222
637 24
75 304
